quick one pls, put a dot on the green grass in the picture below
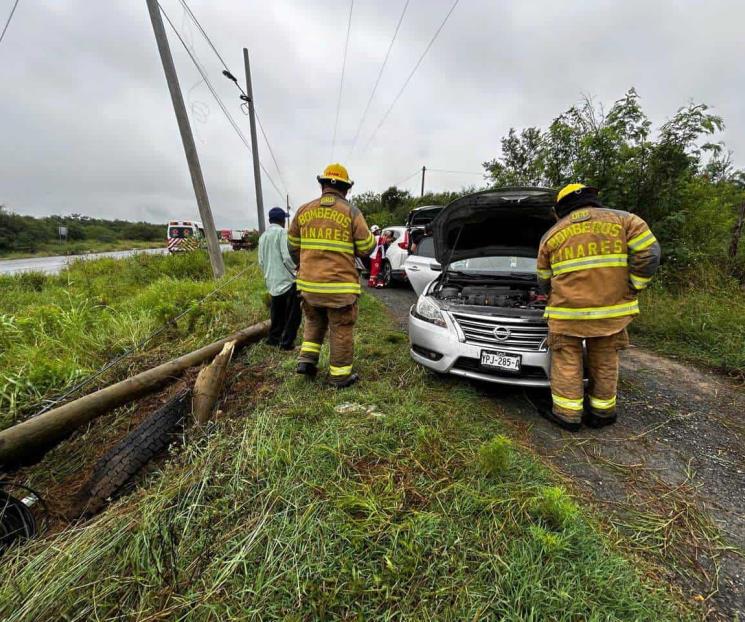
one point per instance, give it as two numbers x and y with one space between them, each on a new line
50 249
293 508
702 321
56 330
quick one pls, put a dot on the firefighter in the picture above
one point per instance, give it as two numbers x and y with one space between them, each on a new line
324 237
593 263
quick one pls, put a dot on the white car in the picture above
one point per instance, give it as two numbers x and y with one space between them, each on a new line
480 315
395 255
421 266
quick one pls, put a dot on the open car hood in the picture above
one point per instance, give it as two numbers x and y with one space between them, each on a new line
506 221
421 216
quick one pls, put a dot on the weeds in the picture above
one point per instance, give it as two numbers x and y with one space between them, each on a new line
495 457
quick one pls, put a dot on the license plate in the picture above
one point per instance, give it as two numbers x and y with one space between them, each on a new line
501 360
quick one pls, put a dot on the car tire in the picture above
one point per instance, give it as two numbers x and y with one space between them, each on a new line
387 273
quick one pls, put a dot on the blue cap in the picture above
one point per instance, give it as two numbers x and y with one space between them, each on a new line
277 213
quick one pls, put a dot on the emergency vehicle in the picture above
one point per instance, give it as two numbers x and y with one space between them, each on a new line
185 235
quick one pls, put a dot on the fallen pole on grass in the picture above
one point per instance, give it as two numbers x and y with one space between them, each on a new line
27 441
209 383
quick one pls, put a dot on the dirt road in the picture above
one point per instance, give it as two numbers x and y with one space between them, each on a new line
669 476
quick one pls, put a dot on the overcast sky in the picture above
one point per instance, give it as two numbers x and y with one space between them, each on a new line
88 126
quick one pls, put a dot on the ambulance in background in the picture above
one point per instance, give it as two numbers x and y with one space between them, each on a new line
185 235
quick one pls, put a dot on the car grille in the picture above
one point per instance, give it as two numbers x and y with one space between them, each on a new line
480 330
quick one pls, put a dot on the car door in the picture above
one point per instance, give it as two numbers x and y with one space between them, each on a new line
421 266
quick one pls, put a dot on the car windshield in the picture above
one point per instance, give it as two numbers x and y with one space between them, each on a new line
495 264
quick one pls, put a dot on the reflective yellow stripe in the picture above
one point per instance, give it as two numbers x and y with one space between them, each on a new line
603 404
639 282
327 245
586 263
366 244
309 346
564 402
592 313
294 241
328 288
340 371
544 274
641 241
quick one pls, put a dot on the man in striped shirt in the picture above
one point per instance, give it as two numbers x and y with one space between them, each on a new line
593 263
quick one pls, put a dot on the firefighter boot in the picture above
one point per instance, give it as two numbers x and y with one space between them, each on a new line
602 368
567 389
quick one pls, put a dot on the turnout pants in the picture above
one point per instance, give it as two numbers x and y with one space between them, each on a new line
340 325
285 316
567 365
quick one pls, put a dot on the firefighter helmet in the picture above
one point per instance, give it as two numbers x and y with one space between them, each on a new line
336 174
577 189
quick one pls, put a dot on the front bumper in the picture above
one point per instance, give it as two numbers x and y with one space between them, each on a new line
439 349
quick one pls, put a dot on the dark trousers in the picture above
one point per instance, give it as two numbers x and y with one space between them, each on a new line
285 315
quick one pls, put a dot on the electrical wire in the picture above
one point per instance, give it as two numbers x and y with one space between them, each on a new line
219 101
127 353
411 75
441 170
414 174
377 81
341 82
10 17
16 519
228 74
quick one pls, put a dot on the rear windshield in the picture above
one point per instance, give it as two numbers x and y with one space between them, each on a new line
180 232
495 264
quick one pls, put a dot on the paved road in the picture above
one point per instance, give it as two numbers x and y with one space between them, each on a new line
53 265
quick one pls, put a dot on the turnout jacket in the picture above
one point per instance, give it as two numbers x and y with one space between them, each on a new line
324 237
593 263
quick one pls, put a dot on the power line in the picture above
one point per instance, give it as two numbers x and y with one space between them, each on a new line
10 17
341 82
411 75
441 170
233 79
414 174
377 81
220 103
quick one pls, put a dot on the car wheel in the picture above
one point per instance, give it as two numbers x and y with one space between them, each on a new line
387 273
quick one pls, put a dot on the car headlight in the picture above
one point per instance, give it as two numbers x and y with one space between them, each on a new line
428 311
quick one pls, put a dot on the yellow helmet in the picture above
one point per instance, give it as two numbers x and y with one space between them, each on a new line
568 189
336 173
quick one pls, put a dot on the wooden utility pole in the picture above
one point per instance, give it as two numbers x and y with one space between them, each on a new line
200 191
254 145
424 170
288 207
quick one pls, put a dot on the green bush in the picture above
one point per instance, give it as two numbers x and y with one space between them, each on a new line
554 507
496 456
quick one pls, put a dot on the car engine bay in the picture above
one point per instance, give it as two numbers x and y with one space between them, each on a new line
518 296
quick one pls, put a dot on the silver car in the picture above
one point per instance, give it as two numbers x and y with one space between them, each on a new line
481 316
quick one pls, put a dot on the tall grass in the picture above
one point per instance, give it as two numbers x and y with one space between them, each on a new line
700 318
55 330
409 507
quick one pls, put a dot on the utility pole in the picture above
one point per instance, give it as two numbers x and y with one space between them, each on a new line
424 170
190 149
288 207
254 145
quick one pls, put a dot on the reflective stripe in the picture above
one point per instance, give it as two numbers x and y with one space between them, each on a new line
340 371
639 282
364 245
327 245
309 346
641 241
544 274
603 404
592 313
585 263
294 241
565 402
328 288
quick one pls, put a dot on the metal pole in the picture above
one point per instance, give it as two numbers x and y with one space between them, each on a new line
190 149
254 144
424 169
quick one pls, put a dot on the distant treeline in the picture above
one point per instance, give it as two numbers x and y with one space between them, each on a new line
27 234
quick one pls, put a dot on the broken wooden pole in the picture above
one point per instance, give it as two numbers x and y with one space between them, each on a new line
209 384
27 441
